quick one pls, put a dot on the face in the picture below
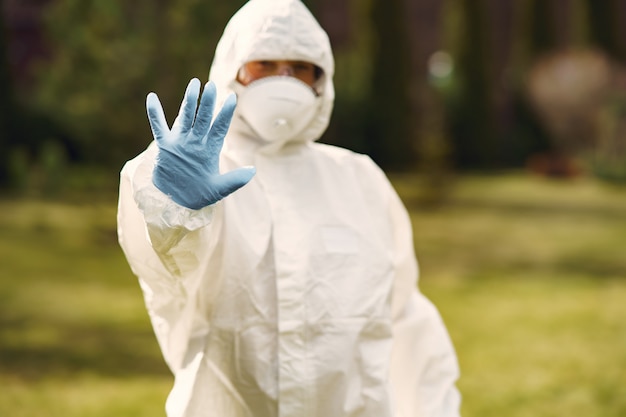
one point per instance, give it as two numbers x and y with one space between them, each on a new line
302 70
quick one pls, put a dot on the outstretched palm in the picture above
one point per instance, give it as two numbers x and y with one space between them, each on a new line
187 166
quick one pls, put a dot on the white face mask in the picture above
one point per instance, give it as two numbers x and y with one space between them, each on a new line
277 108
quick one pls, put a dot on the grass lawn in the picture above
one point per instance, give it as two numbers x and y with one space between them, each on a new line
529 274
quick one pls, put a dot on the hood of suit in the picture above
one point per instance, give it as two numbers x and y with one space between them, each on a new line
273 30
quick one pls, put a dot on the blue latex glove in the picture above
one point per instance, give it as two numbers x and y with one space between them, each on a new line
187 165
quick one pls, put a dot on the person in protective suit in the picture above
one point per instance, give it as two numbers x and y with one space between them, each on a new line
294 296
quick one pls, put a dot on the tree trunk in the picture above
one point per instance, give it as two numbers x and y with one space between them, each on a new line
7 102
471 119
390 134
606 30
550 25
424 19
619 16
500 38
334 16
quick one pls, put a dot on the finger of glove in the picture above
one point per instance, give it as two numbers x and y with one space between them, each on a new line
156 117
187 111
221 124
205 111
232 181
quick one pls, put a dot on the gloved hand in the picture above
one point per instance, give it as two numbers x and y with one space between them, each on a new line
187 165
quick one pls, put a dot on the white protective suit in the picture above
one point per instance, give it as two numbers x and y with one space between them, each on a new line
296 295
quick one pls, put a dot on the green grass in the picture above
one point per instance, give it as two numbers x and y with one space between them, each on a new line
529 275
74 336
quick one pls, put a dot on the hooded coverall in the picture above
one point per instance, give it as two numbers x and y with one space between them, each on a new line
296 295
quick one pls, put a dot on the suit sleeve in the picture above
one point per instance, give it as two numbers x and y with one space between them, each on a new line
424 367
164 244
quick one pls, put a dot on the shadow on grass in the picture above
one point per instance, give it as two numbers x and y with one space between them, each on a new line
530 208
76 348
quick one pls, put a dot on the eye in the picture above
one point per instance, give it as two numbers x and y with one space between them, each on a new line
266 65
301 66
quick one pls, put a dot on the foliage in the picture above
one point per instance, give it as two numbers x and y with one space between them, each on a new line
108 54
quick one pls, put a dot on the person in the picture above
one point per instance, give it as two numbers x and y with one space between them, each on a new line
285 286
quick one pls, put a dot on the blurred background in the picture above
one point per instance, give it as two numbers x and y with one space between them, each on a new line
428 85
501 123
